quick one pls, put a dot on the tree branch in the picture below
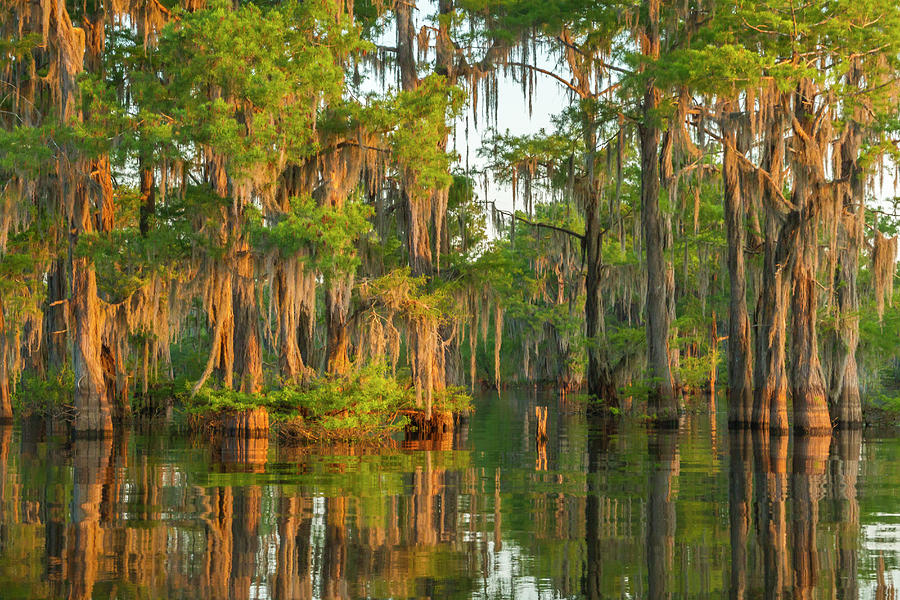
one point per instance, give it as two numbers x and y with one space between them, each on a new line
568 84
537 224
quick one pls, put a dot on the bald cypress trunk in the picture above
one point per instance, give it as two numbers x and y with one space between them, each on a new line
148 200
770 377
92 405
56 317
770 399
6 412
221 291
247 347
843 384
91 399
740 404
337 308
599 379
416 202
662 395
807 384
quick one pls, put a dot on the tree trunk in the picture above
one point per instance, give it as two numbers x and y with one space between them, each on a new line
6 412
56 318
416 202
337 308
289 282
843 388
807 384
770 398
148 200
740 386
662 396
599 378
294 294
92 405
247 347
220 303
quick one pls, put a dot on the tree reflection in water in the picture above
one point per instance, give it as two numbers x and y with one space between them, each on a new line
664 465
596 508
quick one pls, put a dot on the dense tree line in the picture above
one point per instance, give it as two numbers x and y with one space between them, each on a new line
272 185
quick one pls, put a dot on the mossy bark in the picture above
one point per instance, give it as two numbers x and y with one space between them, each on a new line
740 383
843 382
807 384
662 394
770 377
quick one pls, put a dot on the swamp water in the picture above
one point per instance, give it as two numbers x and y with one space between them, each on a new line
491 511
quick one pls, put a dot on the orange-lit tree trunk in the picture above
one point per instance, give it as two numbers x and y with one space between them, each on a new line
91 401
294 295
770 377
843 384
247 346
807 384
6 412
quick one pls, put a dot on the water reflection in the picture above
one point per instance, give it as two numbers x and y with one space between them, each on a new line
664 463
807 488
842 477
528 498
770 453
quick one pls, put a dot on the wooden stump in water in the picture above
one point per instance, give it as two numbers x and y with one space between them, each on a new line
253 423
245 439
540 413
435 433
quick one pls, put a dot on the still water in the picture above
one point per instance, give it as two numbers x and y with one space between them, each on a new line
491 511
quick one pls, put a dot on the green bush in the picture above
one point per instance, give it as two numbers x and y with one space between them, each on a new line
355 405
51 395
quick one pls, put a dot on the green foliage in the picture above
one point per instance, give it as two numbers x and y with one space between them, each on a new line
247 81
367 402
44 395
330 234
414 122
